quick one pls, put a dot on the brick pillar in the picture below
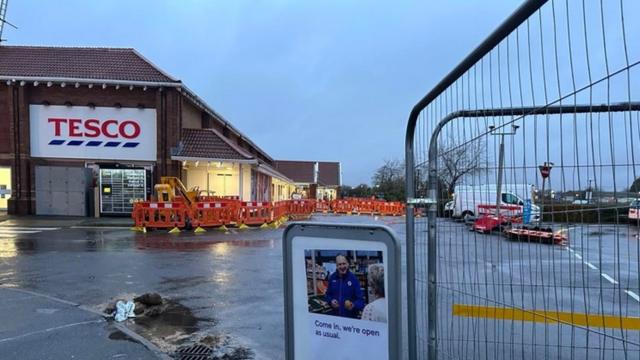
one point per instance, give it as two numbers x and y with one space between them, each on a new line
313 191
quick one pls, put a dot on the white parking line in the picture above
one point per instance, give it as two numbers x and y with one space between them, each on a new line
633 295
28 228
591 265
609 278
13 232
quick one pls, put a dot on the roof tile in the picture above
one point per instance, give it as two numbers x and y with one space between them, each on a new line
209 144
298 171
78 63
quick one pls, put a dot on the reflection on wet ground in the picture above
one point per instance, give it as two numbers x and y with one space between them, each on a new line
94 241
216 245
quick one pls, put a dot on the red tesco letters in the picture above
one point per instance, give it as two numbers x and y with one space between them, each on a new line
92 128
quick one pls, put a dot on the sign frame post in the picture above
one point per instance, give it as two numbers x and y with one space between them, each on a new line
354 234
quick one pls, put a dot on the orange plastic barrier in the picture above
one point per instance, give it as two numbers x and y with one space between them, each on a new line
207 214
342 206
386 208
255 213
322 206
362 206
213 211
280 209
298 207
309 206
160 215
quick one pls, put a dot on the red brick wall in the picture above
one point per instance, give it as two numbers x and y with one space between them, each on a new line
5 119
82 96
14 129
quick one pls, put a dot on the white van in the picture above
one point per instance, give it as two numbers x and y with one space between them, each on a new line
473 201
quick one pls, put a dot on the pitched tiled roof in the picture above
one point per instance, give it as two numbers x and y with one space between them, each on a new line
208 144
328 173
116 64
298 171
302 171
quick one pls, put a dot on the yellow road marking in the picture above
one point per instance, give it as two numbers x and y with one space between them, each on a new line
550 317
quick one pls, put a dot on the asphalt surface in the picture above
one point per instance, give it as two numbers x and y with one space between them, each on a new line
232 282
595 274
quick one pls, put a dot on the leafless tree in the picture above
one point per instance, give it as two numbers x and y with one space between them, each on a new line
389 180
459 160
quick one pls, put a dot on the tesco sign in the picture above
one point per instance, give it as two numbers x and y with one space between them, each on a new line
101 133
94 128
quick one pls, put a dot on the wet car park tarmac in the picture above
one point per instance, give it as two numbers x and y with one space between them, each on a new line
231 283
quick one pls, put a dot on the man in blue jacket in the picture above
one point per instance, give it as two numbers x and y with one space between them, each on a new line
343 292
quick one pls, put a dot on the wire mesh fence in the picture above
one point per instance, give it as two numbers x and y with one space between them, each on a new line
531 150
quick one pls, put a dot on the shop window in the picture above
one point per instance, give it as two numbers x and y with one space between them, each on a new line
5 187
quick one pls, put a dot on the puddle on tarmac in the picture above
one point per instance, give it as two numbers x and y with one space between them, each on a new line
172 326
164 243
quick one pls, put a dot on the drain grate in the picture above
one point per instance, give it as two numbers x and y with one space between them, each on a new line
193 352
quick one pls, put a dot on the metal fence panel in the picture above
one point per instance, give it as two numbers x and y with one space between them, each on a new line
555 90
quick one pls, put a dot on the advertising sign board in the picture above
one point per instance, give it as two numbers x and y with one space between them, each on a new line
82 132
526 212
342 292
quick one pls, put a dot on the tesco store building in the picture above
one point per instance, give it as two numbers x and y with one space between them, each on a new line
86 131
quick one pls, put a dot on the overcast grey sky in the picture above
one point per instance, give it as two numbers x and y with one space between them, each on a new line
305 80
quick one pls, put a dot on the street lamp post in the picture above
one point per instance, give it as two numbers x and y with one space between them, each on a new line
501 161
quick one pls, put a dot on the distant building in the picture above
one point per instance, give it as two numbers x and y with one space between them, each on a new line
313 179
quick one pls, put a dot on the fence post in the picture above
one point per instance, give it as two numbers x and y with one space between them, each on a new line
432 253
410 252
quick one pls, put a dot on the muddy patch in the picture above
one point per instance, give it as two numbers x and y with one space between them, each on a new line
176 330
171 321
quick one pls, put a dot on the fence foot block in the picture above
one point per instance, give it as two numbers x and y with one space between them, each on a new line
199 230
242 227
223 228
175 230
264 226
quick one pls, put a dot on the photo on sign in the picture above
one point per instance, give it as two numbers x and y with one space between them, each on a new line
348 284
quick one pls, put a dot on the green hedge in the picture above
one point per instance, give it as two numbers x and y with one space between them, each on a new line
570 213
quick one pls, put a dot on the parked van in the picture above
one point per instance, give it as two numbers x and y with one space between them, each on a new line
472 201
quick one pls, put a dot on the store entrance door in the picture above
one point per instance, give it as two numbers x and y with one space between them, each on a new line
5 187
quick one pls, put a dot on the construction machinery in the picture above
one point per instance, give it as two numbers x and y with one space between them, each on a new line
171 187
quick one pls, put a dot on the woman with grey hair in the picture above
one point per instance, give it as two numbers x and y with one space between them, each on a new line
377 309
